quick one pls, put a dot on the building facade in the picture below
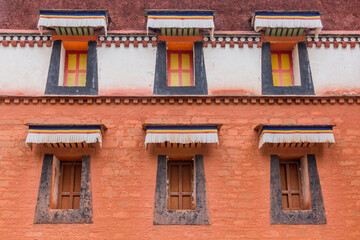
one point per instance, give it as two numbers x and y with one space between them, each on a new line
206 120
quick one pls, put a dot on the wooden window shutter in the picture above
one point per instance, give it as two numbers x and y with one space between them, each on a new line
180 68
70 185
290 185
181 185
75 68
282 68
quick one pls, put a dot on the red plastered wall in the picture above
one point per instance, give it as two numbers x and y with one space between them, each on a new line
123 173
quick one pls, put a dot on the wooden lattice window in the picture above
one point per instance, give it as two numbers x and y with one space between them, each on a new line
69 185
282 68
180 185
180 68
75 68
291 191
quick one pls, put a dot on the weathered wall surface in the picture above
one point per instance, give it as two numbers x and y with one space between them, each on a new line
123 173
126 70
233 70
333 70
23 71
231 15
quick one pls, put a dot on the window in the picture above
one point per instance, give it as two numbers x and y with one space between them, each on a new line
295 191
180 68
69 185
179 198
65 194
286 69
294 185
180 190
75 68
282 68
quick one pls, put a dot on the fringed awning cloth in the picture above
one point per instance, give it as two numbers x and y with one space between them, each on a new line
72 19
64 134
296 134
287 20
181 20
182 134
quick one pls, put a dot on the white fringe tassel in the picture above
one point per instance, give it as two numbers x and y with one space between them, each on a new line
288 23
181 23
296 138
62 138
182 138
63 22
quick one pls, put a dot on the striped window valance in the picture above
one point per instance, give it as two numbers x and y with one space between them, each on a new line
295 134
73 22
295 22
181 19
182 134
64 134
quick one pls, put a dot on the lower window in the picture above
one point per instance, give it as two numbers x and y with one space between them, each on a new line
65 194
66 185
181 185
294 184
295 191
180 194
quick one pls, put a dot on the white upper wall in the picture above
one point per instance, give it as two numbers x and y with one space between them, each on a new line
335 70
24 70
126 70
233 70
130 70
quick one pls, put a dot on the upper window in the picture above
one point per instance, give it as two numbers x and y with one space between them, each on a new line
286 69
180 66
75 68
282 68
73 65
285 62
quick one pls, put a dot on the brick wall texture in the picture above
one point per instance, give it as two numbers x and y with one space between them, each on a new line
124 174
231 15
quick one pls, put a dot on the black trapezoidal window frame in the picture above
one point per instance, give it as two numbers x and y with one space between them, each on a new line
43 213
279 216
268 88
160 82
52 84
163 216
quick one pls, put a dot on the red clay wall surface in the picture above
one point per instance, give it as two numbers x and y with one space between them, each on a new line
123 173
231 15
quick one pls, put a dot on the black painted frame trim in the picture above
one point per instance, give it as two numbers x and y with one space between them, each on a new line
268 88
160 82
279 216
52 84
162 216
43 213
